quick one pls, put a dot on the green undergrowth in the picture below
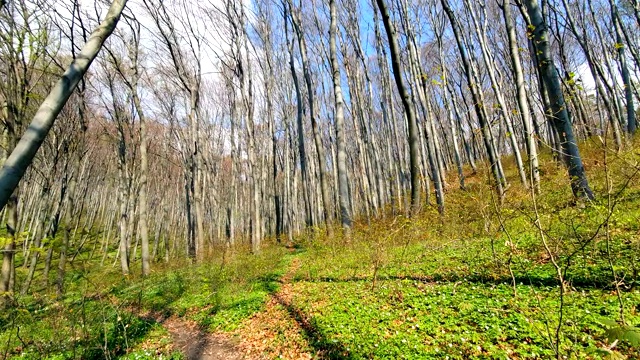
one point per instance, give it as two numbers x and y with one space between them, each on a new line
106 315
407 319
482 281
216 296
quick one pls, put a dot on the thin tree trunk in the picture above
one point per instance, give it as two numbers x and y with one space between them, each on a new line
412 126
343 186
489 63
478 103
62 262
321 158
21 157
300 125
624 70
523 105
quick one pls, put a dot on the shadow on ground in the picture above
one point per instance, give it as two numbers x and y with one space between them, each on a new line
324 347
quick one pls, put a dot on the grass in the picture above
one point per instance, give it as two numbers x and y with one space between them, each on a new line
107 315
482 281
479 281
217 297
409 319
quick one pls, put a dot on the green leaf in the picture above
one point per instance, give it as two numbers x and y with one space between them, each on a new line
607 322
632 335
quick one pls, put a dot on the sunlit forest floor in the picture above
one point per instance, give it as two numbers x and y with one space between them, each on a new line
482 281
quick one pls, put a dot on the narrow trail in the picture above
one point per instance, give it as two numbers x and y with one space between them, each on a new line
197 344
278 331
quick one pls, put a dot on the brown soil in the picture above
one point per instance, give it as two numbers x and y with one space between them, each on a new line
196 344
276 332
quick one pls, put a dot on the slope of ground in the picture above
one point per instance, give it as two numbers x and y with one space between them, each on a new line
526 278
481 282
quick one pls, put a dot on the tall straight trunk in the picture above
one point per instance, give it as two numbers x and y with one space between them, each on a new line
256 214
132 84
290 184
245 77
62 264
616 115
360 153
9 138
542 89
343 186
6 277
436 159
68 198
478 102
196 176
142 195
453 120
392 154
456 111
361 126
396 151
317 137
631 46
624 69
50 232
124 189
490 63
432 149
596 71
233 191
277 197
560 115
300 125
412 125
523 105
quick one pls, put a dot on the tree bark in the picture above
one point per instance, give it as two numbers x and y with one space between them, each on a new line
320 154
560 116
412 125
523 105
624 70
478 103
343 186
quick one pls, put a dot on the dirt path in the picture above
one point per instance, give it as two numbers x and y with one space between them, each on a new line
196 344
275 332
279 330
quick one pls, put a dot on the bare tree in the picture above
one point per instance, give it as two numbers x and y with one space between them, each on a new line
412 125
16 164
343 186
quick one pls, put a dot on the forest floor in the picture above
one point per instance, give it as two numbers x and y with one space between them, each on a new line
531 277
197 344
254 337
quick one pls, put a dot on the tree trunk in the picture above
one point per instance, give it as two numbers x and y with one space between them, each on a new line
321 158
478 103
624 70
142 207
300 125
523 105
490 63
343 186
62 263
412 125
560 116
21 157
